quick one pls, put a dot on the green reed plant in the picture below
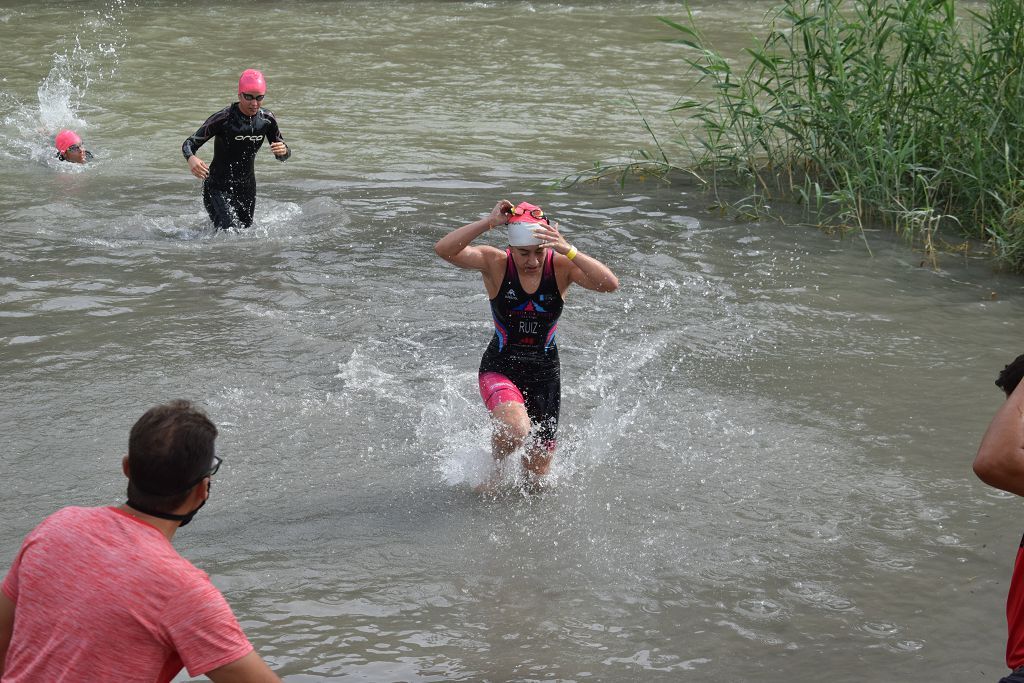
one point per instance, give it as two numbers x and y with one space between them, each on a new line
896 111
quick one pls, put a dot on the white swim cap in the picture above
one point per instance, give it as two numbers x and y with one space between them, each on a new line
521 234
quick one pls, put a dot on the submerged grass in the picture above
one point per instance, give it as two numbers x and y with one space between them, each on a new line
895 111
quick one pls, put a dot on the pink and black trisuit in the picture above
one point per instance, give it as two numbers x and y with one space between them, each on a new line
521 362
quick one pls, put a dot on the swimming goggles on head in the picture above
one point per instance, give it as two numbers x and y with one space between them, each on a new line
250 98
516 211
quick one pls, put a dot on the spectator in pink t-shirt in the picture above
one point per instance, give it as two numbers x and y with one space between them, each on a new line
100 594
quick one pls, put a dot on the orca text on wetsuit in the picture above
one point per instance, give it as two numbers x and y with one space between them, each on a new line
523 348
229 192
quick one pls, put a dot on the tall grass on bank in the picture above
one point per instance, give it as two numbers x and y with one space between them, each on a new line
882 110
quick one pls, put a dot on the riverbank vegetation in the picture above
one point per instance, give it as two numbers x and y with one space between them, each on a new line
904 112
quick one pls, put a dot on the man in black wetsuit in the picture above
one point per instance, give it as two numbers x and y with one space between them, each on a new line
229 182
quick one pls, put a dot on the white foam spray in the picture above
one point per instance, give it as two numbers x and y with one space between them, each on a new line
87 56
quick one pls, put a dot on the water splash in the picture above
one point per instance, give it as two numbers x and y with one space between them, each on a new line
88 56
61 93
604 406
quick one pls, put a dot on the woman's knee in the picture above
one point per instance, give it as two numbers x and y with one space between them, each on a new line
513 431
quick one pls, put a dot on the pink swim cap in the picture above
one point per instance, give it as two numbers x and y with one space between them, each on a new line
252 81
526 212
65 139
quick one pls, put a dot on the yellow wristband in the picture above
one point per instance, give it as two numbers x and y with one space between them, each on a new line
571 254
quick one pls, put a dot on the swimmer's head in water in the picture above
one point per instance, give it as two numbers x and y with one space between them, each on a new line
251 81
520 221
65 139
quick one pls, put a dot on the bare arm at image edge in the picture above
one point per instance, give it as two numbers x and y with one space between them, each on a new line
249 669
6 627
1000 458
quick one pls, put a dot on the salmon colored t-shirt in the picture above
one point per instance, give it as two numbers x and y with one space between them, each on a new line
102 596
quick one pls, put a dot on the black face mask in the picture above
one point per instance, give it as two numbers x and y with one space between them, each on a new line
184 519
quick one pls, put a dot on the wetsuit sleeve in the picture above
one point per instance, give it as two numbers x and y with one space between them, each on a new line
275 136
209 129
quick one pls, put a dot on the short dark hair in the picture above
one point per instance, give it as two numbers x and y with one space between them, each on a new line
1011 375
169 447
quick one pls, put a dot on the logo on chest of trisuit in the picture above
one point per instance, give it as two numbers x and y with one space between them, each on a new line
528 321
250 138
530 306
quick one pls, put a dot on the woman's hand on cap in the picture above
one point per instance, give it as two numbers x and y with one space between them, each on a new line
552 238
499 214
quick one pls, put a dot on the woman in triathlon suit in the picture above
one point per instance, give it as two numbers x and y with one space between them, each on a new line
526 283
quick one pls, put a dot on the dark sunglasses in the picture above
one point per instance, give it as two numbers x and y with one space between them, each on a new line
250 98
209 473
73 148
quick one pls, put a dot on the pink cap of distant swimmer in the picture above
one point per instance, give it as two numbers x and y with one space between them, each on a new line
252 81
65 139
